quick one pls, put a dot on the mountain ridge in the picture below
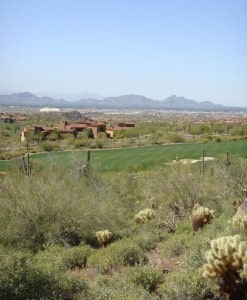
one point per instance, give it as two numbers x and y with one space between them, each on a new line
120 102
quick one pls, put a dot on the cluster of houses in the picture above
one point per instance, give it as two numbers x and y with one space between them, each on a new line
10 119
93 129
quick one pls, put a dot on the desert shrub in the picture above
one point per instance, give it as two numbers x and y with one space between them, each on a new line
5 134
146 240
186 284
24 276
177 187
61 207
76 257
184 227
31 212
54 135
82 142
115 289
88 237
123 252
70 285
79 143
48 146
175 245
198 244
14 272
176 138
233 176
147 277
53 263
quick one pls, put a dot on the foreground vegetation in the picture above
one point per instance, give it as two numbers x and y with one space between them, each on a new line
126 224
50 219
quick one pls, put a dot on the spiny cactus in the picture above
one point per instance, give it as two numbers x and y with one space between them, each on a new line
103 236
227 261
26 164
144 215
240 221
86 165
203 162
200 216
227 161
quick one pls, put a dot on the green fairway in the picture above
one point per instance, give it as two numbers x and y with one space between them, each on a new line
139 157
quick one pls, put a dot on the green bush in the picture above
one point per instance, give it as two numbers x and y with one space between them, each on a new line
53 264
115 289
147 277
146 240
186 284
48 146
76 257
14 275
123 252
24 276
176 245
176 138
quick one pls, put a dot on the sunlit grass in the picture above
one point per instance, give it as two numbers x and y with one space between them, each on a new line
140 158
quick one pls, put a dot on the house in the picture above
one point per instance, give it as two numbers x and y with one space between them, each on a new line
94 128
8 119
26 132
126 124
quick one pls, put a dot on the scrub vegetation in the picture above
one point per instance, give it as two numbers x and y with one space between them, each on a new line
66 234
152 221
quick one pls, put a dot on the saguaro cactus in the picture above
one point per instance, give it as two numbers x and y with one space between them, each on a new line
86 165
203 162
88 158
26 164
227 161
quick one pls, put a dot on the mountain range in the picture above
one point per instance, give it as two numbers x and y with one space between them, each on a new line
121 102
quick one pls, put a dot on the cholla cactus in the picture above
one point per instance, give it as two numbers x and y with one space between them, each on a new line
240 221
103 236
200 216
227 261
144 215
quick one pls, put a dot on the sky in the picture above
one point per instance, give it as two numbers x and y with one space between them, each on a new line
155 48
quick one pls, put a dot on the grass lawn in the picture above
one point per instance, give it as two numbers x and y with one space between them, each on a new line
140 157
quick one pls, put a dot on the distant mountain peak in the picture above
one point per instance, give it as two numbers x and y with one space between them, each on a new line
121 102
24 94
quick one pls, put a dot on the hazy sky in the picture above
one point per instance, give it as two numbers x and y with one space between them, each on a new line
196 49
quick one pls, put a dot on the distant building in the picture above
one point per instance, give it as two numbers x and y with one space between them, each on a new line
126 124
93 129
8 120
49 109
